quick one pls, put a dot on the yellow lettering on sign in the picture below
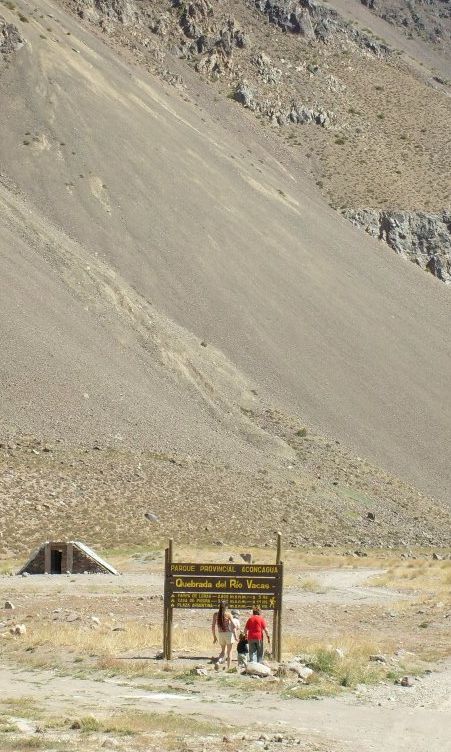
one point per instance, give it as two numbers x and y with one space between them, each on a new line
193 583
252 585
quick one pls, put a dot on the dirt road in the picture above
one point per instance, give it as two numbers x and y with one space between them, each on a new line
369 725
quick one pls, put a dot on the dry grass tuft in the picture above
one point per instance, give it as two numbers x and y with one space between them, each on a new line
423 575
311 585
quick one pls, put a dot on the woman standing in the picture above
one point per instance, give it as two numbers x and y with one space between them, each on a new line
223 625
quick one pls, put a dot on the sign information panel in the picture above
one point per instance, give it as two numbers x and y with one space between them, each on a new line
203 586
244 601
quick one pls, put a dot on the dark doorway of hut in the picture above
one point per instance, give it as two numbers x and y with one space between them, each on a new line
56 561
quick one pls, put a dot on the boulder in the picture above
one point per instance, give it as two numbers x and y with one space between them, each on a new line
258 669
9 605
303 672
244 95
18 629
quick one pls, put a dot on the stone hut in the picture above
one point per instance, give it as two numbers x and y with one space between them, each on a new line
70 557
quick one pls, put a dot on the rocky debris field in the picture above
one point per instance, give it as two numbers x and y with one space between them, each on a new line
323 496
430 21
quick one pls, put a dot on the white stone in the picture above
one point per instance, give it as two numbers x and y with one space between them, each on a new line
258 669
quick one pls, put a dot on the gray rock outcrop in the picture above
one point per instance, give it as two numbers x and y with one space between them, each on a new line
421 237
11 39
122 11
314 20
296 114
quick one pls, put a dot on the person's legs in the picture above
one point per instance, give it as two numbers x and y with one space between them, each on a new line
252 644
229 653
260 651
222 642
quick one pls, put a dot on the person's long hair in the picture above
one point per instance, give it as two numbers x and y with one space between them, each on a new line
223 617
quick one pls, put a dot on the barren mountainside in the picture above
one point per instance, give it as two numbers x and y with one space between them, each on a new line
185 320
368 115
429 20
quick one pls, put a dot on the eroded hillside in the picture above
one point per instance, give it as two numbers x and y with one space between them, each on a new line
173 283
369 116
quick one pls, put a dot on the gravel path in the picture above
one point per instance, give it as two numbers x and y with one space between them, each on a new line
415 721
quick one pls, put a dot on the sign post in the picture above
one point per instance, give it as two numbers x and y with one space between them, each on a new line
277 621
203 586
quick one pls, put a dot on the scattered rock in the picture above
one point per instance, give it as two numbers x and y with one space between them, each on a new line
72 617
371 516
317 21
244 95
302 672
151 517
258 669
19 630
407 681
378 658
9 605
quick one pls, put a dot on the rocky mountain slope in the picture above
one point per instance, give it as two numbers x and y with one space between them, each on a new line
430 20
370 120
173 283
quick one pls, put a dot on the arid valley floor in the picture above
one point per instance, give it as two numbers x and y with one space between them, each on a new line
87 674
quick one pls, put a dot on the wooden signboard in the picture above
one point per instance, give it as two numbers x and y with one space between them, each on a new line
242 586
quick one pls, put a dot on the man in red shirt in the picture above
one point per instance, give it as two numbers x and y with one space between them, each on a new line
254 629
